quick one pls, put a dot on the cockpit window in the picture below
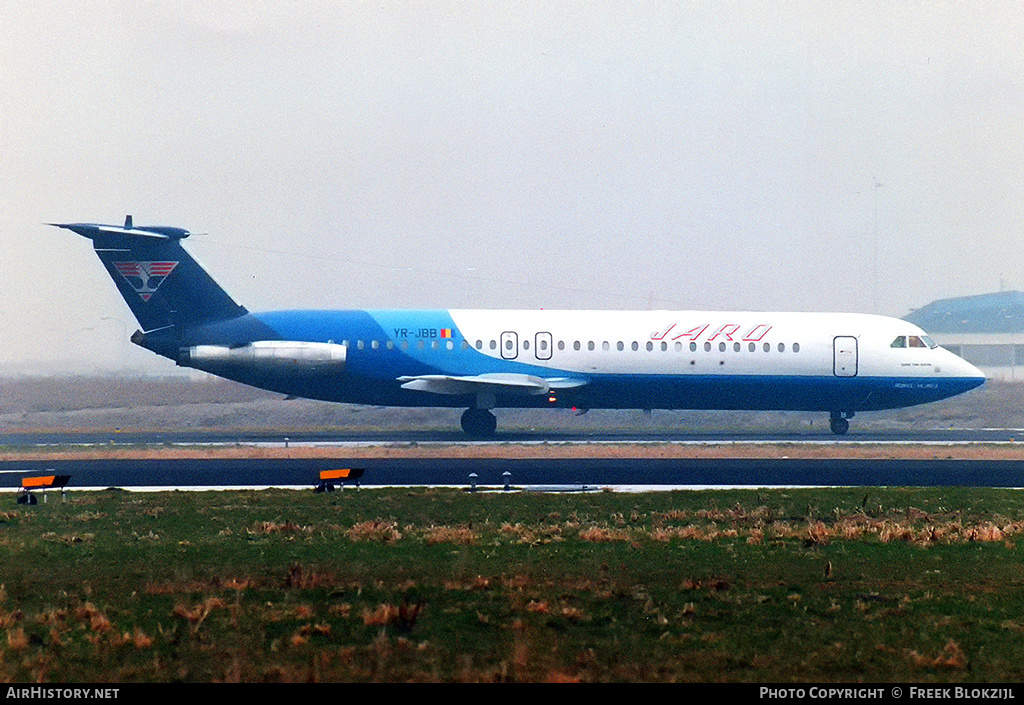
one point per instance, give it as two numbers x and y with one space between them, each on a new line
913 341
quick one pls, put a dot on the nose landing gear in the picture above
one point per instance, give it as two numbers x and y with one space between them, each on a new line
839 422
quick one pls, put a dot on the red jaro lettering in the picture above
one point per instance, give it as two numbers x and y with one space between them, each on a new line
693 333
727 331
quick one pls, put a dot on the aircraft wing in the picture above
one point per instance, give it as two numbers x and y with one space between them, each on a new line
499 383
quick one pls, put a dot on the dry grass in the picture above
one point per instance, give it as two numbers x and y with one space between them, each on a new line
656 449
374 530
461 535
932 531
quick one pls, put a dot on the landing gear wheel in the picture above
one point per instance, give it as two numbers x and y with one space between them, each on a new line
839 424
479 423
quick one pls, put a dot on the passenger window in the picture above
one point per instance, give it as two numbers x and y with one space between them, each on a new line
796 347
679 346
900 342
693 347
620 346
576 345
721 347
735 347
782 347
494 345
590 345
752 347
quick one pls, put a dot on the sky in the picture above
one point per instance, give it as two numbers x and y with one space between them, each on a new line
843 156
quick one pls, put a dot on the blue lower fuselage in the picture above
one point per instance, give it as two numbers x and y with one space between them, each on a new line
384 346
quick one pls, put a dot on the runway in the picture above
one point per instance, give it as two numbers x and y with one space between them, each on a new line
585 473
933 458
179 436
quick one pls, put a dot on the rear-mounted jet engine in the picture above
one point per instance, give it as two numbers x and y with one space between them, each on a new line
279 358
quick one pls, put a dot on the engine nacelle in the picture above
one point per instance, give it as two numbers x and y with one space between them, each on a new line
278 358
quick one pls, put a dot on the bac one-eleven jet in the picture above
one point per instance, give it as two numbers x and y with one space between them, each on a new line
482 360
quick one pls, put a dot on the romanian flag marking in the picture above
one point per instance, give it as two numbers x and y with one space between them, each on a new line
446 332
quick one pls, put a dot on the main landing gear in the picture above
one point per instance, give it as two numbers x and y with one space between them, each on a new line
839 422
479 423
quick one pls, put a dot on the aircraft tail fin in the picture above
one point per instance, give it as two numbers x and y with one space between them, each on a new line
162 284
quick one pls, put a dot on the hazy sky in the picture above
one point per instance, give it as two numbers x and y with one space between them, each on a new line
852 156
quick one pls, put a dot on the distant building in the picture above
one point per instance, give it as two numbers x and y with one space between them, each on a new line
986 330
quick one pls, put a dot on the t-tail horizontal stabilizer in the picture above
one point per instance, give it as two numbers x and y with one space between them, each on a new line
162 284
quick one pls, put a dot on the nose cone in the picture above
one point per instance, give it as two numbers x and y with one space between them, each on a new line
975 374
972 377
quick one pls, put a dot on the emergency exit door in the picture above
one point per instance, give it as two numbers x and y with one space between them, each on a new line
542 346
509 345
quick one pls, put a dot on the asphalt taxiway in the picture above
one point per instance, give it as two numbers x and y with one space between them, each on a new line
575 473
176 460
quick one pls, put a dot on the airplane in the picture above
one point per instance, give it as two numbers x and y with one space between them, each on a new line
481 360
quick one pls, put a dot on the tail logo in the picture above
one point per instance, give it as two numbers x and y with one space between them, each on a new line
145 277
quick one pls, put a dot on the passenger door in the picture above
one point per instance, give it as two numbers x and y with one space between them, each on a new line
844 356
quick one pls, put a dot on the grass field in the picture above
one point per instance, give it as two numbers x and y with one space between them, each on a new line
446 585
